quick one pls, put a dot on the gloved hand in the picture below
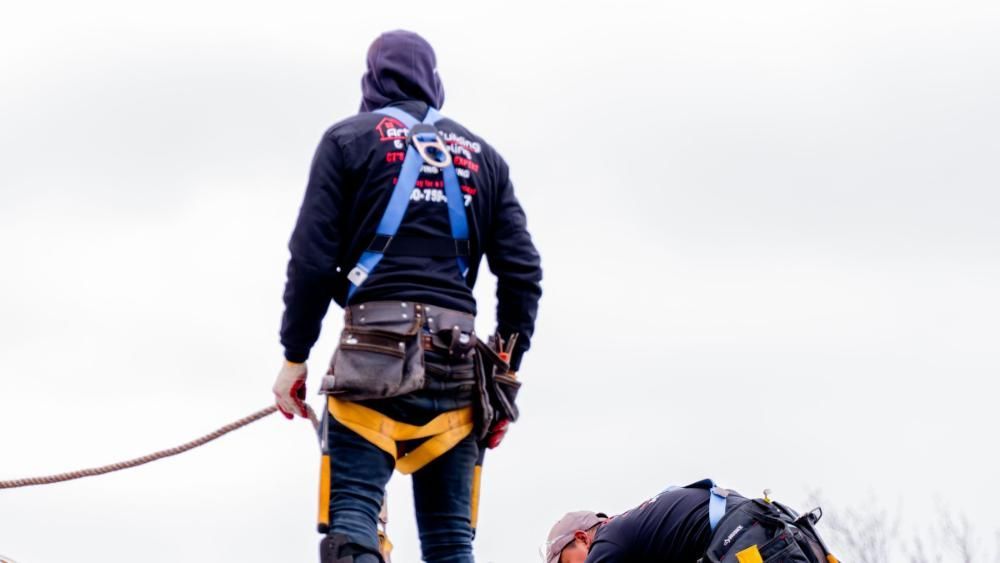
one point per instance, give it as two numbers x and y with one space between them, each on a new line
290 390
497 431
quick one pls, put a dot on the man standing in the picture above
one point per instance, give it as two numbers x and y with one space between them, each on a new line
400 208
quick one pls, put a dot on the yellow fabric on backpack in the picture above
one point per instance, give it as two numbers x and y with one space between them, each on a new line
750 555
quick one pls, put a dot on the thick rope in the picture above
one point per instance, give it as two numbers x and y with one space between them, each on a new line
49 479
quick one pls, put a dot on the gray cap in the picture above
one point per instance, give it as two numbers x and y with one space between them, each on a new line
562 533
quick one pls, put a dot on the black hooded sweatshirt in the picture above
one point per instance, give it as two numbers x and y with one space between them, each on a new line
353 175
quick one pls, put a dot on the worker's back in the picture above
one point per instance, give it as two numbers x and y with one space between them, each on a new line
672 526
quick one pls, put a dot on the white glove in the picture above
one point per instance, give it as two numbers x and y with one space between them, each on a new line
290 390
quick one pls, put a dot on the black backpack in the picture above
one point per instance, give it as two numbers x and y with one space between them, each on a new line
765 531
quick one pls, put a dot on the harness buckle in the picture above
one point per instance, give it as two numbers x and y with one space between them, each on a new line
357 276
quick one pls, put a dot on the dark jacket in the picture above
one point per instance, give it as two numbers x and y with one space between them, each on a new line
353 175
672 527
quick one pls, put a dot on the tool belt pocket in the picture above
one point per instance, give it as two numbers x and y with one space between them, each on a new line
379 354
755 531
505 388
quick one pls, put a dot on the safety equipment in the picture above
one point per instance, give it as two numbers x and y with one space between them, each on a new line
760 531
290 390
425 146
439 435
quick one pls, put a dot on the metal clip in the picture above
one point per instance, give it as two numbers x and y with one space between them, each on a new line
426 137
357 276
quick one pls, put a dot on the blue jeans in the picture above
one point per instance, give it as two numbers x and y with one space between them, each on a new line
442 490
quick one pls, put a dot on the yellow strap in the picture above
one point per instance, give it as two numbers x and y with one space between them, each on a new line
444 431
750 555
831 559
432 449
324 491
384 545
477 477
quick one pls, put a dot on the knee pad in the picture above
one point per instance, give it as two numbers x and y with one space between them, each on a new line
339 548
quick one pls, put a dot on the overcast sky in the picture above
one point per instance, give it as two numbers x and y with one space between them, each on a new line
768 231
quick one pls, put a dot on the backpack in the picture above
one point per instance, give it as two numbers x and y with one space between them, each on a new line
761 531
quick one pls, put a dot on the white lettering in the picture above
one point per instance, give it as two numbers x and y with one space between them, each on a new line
453 139
732 535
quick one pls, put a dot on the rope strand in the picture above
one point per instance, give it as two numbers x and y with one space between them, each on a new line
49 479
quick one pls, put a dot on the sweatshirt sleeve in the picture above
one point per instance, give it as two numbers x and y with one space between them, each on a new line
315 247
512 257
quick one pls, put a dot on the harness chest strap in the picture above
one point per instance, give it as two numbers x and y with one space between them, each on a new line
442 433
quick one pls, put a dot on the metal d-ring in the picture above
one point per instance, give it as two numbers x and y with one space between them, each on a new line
424 137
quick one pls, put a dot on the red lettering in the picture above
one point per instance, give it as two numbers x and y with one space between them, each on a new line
464 162
395 156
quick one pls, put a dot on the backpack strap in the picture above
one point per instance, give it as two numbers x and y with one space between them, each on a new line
395 210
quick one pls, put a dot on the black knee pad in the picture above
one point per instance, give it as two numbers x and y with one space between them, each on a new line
339 548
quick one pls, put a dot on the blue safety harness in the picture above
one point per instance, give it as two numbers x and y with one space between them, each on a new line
716 499
400 200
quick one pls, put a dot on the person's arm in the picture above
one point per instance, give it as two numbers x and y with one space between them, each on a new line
315 246
512 257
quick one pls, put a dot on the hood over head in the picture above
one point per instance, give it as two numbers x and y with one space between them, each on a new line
401 66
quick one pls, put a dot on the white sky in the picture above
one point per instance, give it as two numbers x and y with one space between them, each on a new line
768 231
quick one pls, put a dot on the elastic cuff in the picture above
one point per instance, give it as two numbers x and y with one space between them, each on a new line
515 359
296 357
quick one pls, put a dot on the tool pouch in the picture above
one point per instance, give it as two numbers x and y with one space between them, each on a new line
770 531
496 386
379 354
452 332
505 388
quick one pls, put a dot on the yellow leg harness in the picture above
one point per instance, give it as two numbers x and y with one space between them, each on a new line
442 433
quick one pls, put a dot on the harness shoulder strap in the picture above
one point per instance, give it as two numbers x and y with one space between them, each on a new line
399 201
716 506
456 202
716 500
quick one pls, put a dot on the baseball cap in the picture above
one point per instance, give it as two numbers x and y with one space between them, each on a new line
561 534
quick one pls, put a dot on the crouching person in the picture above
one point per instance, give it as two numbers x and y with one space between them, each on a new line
400 208
700 523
